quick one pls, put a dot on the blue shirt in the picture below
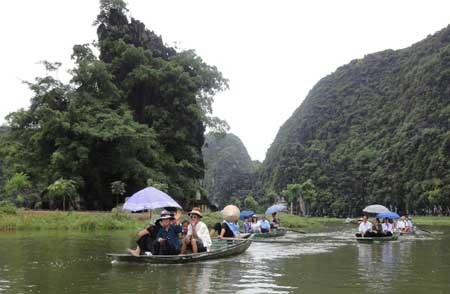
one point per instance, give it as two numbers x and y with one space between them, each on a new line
171 235
264 224
247 227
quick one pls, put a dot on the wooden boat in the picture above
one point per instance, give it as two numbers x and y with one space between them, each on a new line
220 249
410 233
379 239
273 233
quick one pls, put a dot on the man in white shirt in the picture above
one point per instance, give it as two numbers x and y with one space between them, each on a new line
365 228
197 237
387 227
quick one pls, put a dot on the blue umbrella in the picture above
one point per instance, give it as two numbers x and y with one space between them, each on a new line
149 198
276 208
246 213
390 214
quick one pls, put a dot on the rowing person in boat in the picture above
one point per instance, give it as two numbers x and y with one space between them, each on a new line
365 228
230 225
197 238
275 221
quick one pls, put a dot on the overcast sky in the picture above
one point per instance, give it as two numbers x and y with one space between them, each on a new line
272 52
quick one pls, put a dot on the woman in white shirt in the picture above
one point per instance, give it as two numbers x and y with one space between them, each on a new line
256 226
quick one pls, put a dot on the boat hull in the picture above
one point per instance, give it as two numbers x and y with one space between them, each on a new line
272 234
228 248
377 239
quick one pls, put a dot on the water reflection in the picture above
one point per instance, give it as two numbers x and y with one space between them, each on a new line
379 264
329 262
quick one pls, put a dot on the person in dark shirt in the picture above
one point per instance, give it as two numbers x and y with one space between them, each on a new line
146 240
167 241
275 221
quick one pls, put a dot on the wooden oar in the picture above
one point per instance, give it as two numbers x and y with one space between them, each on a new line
276 241
423 230
262 240
293 230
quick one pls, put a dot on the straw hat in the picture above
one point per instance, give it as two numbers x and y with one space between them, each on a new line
197 211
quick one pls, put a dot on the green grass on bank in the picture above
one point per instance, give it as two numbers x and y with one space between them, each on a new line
22 221
104 221
431 220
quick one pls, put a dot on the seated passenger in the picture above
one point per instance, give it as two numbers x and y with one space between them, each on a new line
265 225
275 221
365 228
255 225
184 228
197 238
401 225
409 224
167 241
146 240
247 225
377 228
229 229
216 229
387 227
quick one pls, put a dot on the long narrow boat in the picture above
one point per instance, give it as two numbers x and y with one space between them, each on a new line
220 249
273 233
379 239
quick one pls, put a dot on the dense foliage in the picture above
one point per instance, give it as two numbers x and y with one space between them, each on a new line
377 130
230 173
135 114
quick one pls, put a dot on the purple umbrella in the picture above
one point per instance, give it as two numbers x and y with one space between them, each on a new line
149 198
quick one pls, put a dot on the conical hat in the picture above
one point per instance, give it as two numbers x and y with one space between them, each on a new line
231 213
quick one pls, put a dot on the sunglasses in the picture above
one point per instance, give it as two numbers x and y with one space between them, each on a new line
194 216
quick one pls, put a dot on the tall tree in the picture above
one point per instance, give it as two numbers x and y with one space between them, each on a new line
137 112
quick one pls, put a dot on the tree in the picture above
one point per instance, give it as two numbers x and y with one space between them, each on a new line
16 188
118 189
250 203
63 189
136 112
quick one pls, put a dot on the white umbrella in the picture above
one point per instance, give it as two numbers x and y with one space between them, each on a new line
149 198
376 208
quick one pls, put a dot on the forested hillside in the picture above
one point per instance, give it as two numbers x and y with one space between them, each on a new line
374 131
230 173
135 115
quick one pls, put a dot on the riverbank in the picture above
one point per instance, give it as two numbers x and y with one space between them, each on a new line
431 220
58 220
108 221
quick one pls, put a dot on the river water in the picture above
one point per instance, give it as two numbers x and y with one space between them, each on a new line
322 262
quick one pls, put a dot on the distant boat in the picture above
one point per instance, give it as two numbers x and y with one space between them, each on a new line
273 233
379 239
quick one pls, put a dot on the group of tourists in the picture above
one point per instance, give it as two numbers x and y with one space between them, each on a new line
383 229
168 237
262 225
